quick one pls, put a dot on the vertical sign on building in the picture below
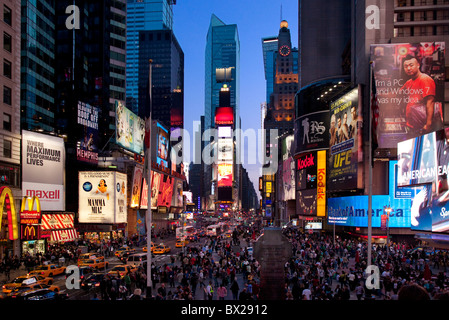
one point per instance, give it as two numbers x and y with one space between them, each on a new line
321 183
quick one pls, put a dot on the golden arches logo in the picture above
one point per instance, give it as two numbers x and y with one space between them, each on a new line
30 201
7 199
29 232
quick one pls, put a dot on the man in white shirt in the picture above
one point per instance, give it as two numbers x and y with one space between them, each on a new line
307 294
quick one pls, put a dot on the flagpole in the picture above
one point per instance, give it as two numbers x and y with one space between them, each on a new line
148 170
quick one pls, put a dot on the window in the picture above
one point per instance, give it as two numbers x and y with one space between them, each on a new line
7 68
7 42
7 148
7 15
7 95
6 122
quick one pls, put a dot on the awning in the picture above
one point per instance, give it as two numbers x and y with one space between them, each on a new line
64 235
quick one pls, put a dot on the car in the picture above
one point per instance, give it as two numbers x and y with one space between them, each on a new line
125 256
31 286
137 259
17 282
119 252
86 256
92 281
41 295
145 249
180 243
96 264
121 270
49 270
161 249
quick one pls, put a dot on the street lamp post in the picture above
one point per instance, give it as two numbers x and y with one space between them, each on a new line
388 210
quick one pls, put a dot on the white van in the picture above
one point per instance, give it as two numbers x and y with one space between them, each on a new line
137 259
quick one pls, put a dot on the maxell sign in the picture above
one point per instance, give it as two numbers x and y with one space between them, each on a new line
43 158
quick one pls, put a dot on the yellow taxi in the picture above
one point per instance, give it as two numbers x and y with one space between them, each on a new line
87 256
145 249
17 282
181 243
161 249
122 270
30 285
49 270
118 253
96 263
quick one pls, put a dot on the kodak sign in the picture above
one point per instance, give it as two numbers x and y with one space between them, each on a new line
321 183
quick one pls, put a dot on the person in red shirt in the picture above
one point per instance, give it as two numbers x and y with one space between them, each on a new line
419 91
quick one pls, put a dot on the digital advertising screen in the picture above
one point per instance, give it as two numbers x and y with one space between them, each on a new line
130 129
162 145
87 144
166 191
225 149
344 137
409 90
155 184
422 171
312 132
224 174
136 186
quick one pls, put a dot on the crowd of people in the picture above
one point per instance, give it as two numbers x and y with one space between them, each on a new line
321 267
324 268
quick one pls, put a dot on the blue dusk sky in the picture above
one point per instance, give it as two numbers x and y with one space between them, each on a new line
255 19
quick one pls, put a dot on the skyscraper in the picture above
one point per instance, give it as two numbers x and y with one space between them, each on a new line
37 88
10 171
222 66
162 47
142 15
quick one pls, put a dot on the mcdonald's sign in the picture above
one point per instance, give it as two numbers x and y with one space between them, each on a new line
30 213
7 199
29 232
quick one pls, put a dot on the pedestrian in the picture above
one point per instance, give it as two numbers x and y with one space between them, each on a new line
162 291
210 291
137 295
222 292
359 291
235 289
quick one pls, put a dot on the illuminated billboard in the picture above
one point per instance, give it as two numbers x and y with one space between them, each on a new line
144 195
409 90
136 187
224 174
155 184
344 151
311 183
224 116
424 162
130 129
102 197
162 144
225 149
166 191
43 169
87 144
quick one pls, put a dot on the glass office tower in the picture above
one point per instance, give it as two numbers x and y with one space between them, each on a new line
142 15
222 66
37 88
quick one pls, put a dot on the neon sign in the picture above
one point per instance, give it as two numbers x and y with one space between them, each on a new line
7 199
